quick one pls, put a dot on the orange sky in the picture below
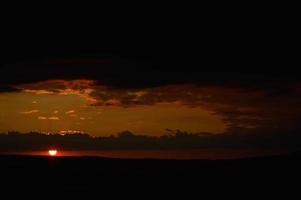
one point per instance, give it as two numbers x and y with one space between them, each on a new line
100 110
70 106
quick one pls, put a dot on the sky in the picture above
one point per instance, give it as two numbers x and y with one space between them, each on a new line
76 106
242 80
91 95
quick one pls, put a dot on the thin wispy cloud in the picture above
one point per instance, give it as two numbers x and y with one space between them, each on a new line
82 88
53 118
70 112
48 118
29 112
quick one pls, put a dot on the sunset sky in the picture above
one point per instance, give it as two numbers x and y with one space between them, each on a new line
100 97
160 96
80 105
235 85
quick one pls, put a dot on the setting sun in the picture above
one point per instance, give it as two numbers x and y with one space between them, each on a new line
52 152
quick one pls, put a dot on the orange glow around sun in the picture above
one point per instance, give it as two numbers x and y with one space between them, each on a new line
52 152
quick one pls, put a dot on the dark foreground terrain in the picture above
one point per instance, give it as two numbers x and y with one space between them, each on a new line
100 173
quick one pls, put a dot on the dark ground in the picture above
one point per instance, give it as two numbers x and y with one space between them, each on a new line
90 173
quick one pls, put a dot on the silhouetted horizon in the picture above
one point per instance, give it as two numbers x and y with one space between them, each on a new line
35 141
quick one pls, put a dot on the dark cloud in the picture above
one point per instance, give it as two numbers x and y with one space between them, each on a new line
239 56
174 139
129 73
5 88
250 50
239 107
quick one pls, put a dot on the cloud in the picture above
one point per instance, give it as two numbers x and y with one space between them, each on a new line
79 140
38 91
64 132
267 105
262 108
29 112
82 88
128 72
70 112
48 118
53 118
7 88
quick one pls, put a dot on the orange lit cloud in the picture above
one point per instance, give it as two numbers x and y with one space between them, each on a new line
63 132
53 118
82 88
48 118
29 112
245 107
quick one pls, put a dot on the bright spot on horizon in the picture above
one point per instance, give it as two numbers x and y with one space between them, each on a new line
52 152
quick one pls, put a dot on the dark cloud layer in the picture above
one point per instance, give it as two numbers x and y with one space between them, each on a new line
238 54
129 73
7 88
254 69
218 47
263 108
177 139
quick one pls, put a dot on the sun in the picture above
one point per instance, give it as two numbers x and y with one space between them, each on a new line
52 152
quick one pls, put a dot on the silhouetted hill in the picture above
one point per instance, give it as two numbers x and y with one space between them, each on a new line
90 173
15 141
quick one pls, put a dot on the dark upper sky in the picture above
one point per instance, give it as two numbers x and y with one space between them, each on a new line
235 50
252 53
